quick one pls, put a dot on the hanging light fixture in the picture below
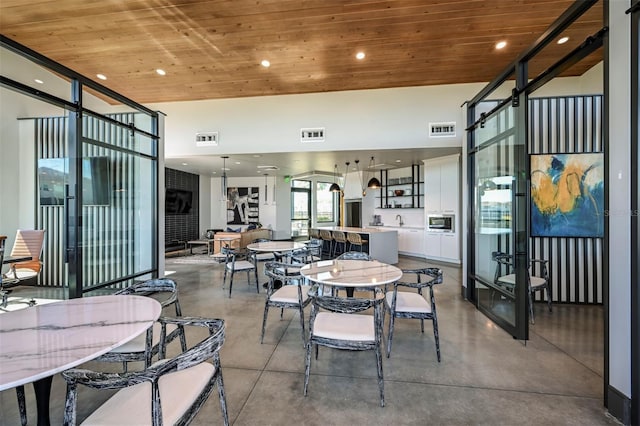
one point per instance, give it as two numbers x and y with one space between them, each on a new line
374 183
334 186
273 198
223 180
361 177
265 189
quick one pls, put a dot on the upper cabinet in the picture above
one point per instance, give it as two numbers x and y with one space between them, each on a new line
402 188
442 184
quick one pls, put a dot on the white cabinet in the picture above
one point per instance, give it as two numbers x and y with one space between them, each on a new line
442 246
432 244
442 185
411 241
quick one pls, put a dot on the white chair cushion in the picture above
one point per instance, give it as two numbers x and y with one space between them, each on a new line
537 282
409 302
241 265
264 256
138 344
132 405
23 274
333 325
289 294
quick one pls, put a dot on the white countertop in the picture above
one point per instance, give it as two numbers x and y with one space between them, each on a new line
366 230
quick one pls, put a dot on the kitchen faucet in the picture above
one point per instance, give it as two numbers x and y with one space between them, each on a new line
398 217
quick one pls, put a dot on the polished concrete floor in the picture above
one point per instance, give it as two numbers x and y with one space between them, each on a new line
485 377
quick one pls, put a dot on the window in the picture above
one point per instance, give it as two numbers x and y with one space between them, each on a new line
325 203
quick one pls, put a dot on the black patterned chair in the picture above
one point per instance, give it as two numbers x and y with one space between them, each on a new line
412 304
291 295
147 345
335 323
505 278
171 391
235 263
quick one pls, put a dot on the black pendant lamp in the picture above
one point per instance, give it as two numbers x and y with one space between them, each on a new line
374 183
334 186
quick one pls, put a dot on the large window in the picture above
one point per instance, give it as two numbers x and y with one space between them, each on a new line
300 208
325 203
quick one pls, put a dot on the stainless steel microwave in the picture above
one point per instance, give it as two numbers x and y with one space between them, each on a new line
441 222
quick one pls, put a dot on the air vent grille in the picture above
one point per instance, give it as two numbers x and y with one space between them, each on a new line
441 130
312 134
207 139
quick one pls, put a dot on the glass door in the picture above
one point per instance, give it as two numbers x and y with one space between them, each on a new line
498 291
300 208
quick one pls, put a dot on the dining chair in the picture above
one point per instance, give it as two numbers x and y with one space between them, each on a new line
147 345
351 255
315 245
171 391
262 257
233 264
540 282
356 239
28 242
335 322
412 304
292 294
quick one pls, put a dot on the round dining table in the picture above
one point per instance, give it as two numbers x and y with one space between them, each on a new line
352 274
275 246
40 341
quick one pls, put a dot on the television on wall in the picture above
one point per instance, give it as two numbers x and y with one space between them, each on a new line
178 201
53 176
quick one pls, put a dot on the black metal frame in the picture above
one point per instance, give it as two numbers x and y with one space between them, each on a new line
634 11
523 88
73 211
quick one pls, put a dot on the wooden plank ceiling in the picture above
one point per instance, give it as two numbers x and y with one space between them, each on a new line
213 49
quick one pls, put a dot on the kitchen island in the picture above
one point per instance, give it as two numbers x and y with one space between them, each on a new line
383 243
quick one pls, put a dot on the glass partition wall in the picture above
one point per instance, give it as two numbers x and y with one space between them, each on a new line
93 176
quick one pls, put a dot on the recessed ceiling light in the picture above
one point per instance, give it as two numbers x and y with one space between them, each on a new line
101 76
501 44
398 161
563 40
237 162
360 55
257 155
265 63
184 164
161 72
37 80
213 173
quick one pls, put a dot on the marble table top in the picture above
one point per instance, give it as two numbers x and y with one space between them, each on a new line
43 340
270 246
351 273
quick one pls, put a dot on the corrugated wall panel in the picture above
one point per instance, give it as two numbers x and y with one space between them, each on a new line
568 125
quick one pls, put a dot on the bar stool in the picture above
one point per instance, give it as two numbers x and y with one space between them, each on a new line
339 238
356 240
327 241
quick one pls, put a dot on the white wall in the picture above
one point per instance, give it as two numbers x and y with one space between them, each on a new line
619 198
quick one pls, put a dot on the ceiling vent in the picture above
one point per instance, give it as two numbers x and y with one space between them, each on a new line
268 168
312 135
442 130
206 139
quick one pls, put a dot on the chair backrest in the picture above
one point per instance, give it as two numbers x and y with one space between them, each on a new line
288 273
504 264
326 235
302 255
3 240
154 287
425 277
261 240
354 238
355 255
29 242
314 233
339 236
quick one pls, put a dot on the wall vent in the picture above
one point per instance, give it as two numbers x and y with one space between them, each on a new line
441 130
312 134
207 139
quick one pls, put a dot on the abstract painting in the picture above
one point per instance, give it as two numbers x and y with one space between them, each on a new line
243 205
567 195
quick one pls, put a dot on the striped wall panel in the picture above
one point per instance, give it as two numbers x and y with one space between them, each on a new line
108 238
568 125
182 227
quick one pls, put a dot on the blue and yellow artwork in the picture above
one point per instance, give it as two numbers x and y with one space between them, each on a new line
567 195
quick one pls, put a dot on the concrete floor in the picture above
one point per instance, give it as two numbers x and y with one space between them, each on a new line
485 377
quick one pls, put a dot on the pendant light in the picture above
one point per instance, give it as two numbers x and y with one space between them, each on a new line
374 183
334 186
273 199
361 177
223 180
265 189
